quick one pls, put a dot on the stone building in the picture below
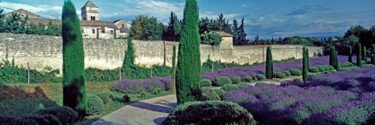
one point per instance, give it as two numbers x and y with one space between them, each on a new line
91 25
226 40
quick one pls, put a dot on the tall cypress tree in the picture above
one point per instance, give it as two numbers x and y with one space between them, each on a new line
74 90
373 59
332 58
364 57
350 57
188 74
359 54
305 65
307 59
337 65
269 64
174 69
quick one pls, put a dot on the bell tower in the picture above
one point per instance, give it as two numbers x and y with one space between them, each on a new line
90 11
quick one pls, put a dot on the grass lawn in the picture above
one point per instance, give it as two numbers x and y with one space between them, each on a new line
19 99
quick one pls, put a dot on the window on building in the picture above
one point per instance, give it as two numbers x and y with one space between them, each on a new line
93 31
103 29
122 25
92 17
111 31
83 31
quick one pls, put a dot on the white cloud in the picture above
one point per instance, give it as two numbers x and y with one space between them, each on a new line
45 11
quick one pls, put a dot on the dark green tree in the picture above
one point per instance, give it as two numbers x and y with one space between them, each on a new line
350 57
308 59
305 64
145 28
241 33
269 64
188 74
174 69
235 29
373 59
364 54
74 90
359 54
173 32
332 58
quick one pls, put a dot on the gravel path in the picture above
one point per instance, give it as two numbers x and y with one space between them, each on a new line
147 112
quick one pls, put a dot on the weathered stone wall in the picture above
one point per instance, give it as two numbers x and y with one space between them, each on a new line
46 51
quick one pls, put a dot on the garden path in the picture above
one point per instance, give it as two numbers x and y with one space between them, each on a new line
146 112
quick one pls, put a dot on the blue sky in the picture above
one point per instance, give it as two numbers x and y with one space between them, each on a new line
268 18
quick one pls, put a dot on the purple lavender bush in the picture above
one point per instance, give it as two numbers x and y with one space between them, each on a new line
137 86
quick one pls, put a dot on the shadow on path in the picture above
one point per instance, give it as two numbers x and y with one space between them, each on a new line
153 107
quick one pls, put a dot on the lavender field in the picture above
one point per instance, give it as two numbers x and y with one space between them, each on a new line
345 97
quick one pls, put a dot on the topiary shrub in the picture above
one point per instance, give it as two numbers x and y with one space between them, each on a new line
229 87
34 119
206 83
287 73
247 79
222 80
280 75
126 98
64 114
209 113
296 72
260 77
236 80
314 69
105 96
209 94
157 91
94 104
219 92
143 94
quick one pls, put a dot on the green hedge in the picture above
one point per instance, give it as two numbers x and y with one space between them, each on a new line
314 69
287 73
206 83
260 77
209 113
210 94
94 104
229 87
247 79
105 96
222 80
236 80
296 72
280 75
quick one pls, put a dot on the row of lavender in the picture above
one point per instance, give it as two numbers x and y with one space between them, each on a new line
260 69
346 97
137 86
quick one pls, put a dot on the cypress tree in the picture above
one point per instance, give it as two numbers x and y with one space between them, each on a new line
307 59
350 58
359 62
337 66
129 54
364 57
305 65
269 64
74 90
373 59
174 69
332 57
188 73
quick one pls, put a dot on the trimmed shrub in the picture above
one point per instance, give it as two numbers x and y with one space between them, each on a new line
260 77
269 63
209 94
94 104
236 80
157 91
229 87
314 69
34 119
206 83
280 75
287 73
296 72
219 92
247 79
64 114
126 98
222 80
105 96
359 54
143 94
347 64
209 113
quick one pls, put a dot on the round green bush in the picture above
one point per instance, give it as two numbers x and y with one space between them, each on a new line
222 80
247 79
314 69
260 77
296 72
157 91
236 80
287 73
321 68
280 75
34 119
105 96
143 94
210 94
209 113
64 114
229 87
94 104
206 83
330 67
219 92
126 98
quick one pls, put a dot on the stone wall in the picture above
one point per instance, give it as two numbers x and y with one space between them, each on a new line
46 51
